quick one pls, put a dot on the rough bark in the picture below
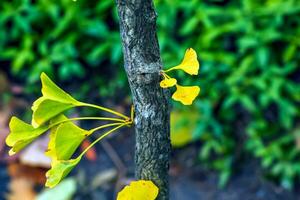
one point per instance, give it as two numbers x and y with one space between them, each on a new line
143 64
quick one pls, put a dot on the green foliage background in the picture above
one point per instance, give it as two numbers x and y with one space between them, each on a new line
249 75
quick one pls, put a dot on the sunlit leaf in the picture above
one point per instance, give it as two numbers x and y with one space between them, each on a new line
53 102
168 82
22 134
45 109
65 139
51 91
189 63
137 190
59 170
186 94
51 151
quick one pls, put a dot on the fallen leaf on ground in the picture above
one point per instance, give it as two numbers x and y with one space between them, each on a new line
33 174
104 177
21 189
34 154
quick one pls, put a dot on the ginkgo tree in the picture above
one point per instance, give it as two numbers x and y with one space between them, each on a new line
150 86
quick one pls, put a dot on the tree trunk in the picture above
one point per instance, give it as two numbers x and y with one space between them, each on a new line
152 111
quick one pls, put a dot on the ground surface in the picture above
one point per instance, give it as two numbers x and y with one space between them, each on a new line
99 179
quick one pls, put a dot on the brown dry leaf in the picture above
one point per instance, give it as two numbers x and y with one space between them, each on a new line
33 174
21 188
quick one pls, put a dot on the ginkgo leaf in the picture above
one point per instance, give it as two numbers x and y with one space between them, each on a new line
22 134
53 102
168 82
59 170
186 94
65 139
51 91
138 190
189 63
45 109
51 151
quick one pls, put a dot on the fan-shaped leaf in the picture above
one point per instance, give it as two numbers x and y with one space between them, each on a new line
65 139
186 94
168 82
51 91
45 109
189 63
59 170
138 190
53 102
22 134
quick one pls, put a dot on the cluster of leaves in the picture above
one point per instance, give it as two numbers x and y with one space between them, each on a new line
65 136
249 53
185 94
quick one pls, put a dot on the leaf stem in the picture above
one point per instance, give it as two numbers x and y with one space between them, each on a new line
104 109
101 137
165 74
86 118
103 126
172 68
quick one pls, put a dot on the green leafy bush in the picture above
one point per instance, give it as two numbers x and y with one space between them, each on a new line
249 70
62 37
249 77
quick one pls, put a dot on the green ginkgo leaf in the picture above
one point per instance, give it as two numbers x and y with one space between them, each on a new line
46 109
21 134
51 91
51 151
65 139
53 102
59 170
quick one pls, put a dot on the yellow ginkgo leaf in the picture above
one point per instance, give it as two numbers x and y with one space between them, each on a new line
137 190
186 94
168 82
189 63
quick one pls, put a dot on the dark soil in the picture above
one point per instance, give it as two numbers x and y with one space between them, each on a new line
4 179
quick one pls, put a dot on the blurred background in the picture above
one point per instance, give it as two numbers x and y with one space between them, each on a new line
240 138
